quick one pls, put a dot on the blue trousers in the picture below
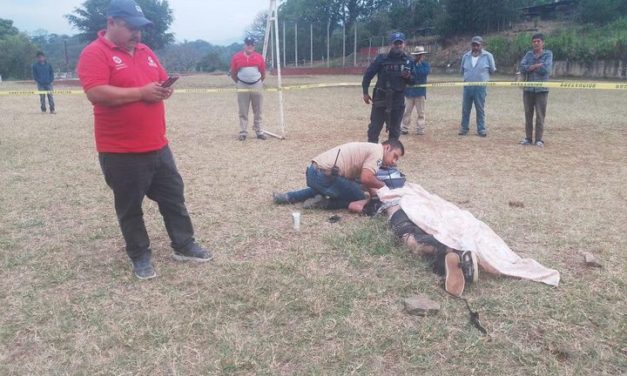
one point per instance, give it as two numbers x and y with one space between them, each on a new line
476 95
340 190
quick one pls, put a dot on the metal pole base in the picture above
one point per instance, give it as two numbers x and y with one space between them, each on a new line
274 135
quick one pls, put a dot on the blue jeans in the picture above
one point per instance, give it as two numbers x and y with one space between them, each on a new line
340 190
476 95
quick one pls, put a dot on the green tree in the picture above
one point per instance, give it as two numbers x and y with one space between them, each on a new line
477 16
55 47
7 28
17 54
212 62
184 57
91 18
601 11
258 29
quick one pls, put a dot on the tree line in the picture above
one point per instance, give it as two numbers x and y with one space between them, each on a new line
309 21
312 22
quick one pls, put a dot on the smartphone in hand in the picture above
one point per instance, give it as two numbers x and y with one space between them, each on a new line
171 80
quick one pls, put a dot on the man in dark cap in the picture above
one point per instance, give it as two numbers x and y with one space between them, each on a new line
248 70
122 79
394 73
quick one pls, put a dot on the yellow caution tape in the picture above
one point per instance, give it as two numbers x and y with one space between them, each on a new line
557 85
40 92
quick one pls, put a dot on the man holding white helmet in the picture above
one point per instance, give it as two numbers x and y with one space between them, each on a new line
248 70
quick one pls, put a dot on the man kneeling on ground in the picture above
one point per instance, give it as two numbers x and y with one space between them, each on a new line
336 177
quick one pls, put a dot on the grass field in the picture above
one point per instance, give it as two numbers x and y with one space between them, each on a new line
327 299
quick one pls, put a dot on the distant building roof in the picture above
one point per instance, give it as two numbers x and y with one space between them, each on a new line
550 10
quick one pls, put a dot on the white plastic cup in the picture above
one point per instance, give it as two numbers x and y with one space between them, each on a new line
296 221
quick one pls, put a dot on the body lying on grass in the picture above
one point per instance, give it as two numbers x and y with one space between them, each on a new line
458 267
431 226
425 223
340 175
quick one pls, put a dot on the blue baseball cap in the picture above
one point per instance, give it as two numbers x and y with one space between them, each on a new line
397 36
129 11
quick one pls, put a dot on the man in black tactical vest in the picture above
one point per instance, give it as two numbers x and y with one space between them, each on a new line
394 73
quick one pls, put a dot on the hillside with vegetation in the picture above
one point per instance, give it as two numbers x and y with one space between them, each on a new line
330 30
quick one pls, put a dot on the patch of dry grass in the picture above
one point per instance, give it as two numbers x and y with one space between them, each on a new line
326 300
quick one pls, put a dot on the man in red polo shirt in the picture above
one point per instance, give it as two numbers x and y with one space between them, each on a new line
248 70
121 78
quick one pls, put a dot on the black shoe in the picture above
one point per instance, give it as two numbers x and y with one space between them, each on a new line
482 134
53 112
262 136
194 252
280 198
404 132
469 265
525 142
143 269
242 137
462 132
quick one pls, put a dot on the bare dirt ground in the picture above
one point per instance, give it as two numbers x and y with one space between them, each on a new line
326 300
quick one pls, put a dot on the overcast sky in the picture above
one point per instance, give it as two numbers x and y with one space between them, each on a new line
219 22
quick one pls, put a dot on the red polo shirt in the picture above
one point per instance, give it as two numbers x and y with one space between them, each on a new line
241 60
133 127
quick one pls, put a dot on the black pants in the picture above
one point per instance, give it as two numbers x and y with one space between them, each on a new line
535 102
132 176
378 117
402 225
42 97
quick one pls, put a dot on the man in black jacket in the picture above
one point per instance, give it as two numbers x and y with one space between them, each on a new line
44 75
394 73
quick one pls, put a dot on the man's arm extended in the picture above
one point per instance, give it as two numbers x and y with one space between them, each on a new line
369 180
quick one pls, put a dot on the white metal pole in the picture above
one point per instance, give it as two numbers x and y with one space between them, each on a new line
343 43
355 45
283 43
328 41
311 44
295 44
272 32
278 53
